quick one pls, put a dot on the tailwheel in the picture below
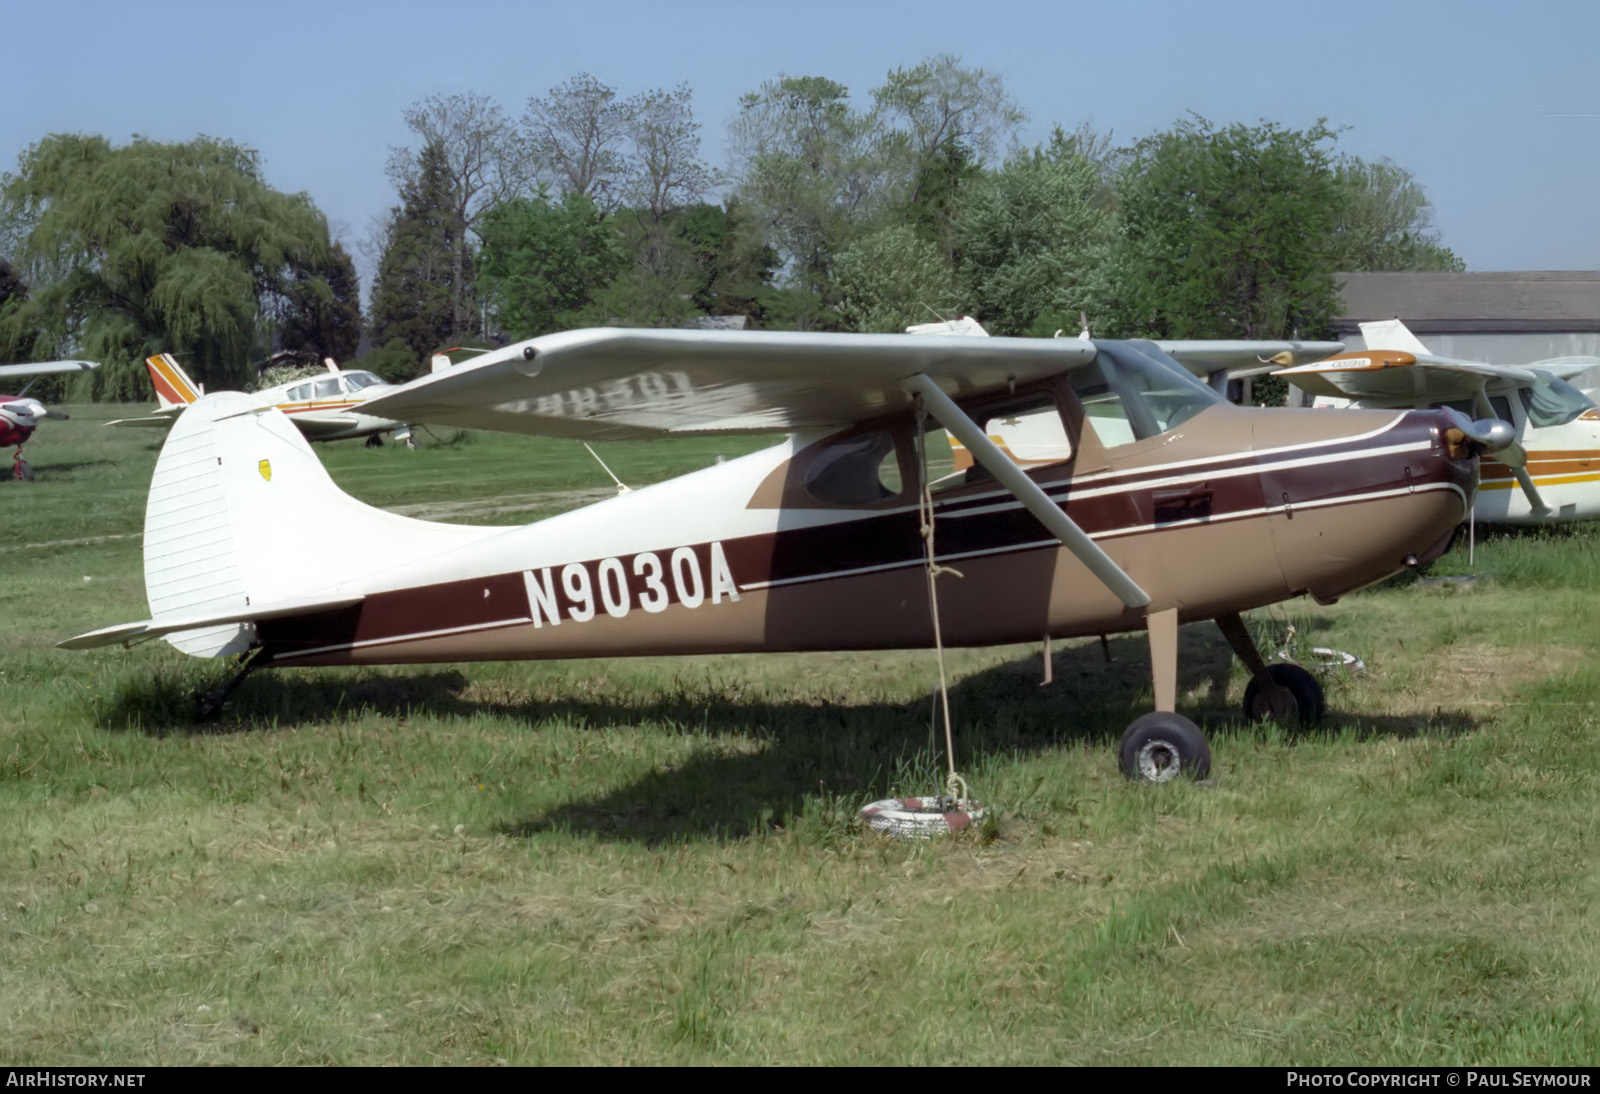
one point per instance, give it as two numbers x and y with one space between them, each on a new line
1292 696
1161 746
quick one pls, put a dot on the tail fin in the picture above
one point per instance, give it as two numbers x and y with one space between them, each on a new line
172 384
243 522
1392 334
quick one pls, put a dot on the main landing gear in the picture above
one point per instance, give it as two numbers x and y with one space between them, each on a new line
21 469
1164 744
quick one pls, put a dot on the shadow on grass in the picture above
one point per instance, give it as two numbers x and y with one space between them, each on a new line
791 757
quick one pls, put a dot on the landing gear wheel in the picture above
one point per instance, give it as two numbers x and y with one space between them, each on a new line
374 440
1160 746
1291 684
22 471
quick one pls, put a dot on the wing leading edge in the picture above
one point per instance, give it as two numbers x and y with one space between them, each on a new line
616 383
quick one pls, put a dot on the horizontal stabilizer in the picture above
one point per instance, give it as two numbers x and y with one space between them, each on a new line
128 633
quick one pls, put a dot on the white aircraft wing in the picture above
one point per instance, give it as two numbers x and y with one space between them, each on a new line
616 383
1240 359
1402 376
45 368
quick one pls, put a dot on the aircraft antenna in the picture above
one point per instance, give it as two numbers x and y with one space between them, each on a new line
622 488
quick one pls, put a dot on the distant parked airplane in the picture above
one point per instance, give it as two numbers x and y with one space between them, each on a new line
20 416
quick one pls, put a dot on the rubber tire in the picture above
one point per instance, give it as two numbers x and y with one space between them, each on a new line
22 472
1309 701
1159 735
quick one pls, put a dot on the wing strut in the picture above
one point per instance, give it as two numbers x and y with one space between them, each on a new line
1025 490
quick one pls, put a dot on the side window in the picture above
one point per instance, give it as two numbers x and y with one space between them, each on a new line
328 388
299 394
1030 432
1104 410
859 470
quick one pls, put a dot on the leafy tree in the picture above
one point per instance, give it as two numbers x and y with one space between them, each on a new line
13 293
812 174
1384 221
176 248
479 159
415 298
734 264
890 279
322 313
944 121
1034 239
543 262
1226 233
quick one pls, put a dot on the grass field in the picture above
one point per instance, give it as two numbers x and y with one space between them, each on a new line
660 862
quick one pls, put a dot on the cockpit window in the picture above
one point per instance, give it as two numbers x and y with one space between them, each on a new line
355 381
1029 431
857 470
328 388
1132 392
298 394
1552 401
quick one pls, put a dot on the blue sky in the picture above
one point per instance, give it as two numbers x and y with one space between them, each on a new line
1495 107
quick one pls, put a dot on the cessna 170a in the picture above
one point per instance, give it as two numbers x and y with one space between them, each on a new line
20 416
1166 504
1553 469
324 408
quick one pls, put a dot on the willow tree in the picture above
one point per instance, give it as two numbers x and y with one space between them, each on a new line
154 247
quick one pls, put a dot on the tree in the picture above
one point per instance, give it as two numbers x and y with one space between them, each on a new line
322 312
812 175
1384 221
176 248
480 160
415 297
1226 233
543 262
576 135
13 294
944 121
890 279
1034 239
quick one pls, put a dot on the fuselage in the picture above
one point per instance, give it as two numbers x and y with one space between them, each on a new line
783 550
19 417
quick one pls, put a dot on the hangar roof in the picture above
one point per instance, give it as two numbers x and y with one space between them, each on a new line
1520 300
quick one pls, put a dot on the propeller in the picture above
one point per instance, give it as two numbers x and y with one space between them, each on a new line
1499 439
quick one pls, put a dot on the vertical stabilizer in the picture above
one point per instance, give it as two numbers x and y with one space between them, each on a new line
173 387
1392 334
242 513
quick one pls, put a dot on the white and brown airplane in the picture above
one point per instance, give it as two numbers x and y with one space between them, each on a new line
1165 505
1556 458
324 408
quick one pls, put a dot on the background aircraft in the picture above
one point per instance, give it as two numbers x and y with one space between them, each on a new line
1552 472
324 408
20 416
1167 505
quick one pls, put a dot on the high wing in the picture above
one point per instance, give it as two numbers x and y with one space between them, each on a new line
617 383
1238 360
1387 374
45 368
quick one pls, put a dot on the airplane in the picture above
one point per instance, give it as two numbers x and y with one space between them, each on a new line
324 408
1168 505
1556 458
20 416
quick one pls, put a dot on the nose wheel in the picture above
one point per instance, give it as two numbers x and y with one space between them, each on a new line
21 469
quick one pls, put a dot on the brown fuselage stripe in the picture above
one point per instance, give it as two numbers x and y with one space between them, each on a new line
892 539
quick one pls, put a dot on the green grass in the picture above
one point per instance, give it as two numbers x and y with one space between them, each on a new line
658 861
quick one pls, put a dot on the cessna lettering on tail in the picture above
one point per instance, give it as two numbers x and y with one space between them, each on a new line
615 586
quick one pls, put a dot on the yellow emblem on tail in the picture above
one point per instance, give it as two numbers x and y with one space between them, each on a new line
265 467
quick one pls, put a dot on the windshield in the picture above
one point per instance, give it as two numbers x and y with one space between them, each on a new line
1551 401
1132 391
